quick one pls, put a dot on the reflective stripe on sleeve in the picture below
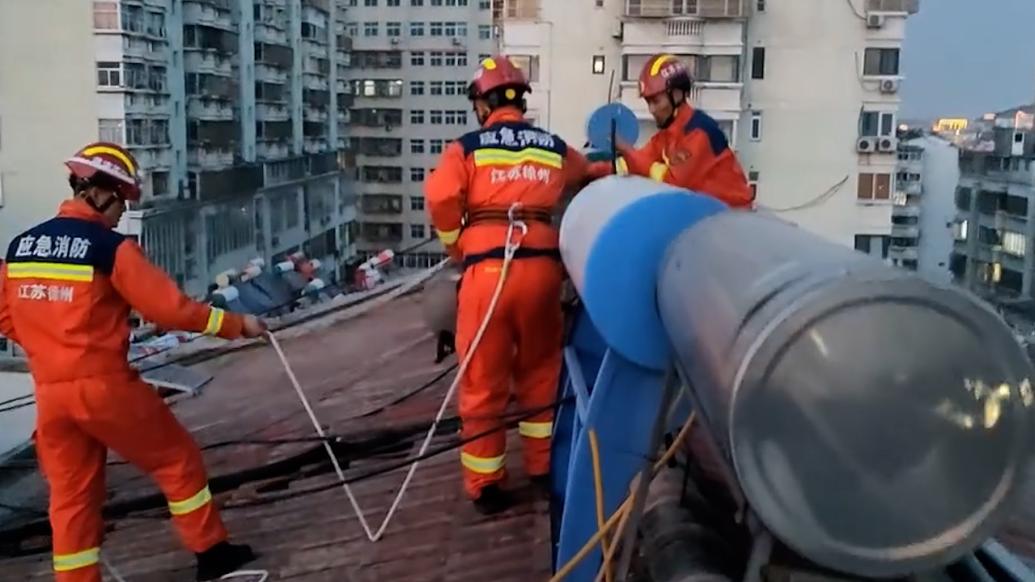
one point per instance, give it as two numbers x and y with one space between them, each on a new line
449 237
215 321
535 430
658 171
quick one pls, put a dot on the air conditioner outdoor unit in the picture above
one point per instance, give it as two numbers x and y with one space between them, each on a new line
618 30
888 144
395 40
875 21
457 41
866 145
889 85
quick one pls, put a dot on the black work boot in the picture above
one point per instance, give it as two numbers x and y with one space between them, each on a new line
492 500
541 485
222 559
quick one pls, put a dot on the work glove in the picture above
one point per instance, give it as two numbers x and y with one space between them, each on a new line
253 326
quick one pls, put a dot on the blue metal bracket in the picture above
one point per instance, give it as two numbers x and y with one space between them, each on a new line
620 401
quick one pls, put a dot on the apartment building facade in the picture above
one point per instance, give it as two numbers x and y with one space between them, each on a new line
420 53
231 108
995 225
923 208
806 91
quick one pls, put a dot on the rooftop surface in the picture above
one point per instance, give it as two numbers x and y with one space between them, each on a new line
354 366
350 368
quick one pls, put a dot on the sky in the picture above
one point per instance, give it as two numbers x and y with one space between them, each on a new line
963 58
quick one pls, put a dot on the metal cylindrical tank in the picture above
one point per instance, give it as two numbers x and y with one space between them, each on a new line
876 423
612 238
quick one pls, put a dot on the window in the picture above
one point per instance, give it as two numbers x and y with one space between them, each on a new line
370 3
110 130
873 244
874 186
393 28
416 87
416 146
417 59
461 29
352 29
416 203
435 29
598 64
484 4
435 117
684 7
416 174
106 15
756 125
876 123
527 63
109 74
720 69
416 2
416 231
760 6
392 3
417 117
437 146
435 88
483 56
416 29
758 62
881 62
484 31
369 28
1013 243
435 59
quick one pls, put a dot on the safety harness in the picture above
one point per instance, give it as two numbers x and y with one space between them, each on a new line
510 216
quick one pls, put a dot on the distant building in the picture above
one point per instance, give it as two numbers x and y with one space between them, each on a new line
924 210
410 66
995 224
820 153
230 106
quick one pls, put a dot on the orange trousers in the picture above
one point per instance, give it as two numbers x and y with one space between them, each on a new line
76 424
521 348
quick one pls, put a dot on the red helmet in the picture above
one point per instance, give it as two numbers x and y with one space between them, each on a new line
662 73
497 72
110 160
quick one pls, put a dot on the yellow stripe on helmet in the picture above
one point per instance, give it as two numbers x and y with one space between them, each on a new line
94 150
655 68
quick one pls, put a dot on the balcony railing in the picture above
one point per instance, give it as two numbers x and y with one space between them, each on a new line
698 8
684 27
907 6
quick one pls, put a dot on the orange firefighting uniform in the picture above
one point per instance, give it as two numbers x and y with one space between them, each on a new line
65 296
478 178
693 153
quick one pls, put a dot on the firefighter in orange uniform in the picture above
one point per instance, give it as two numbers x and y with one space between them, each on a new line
690 150
471 197
66 290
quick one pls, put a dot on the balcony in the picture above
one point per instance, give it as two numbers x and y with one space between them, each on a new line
381 203
377 146
201 37
209 109
515 10
911 188
316 98
699 8
268 112
268 74
210 63
270 34
228 182
676 28
315 82
153 157
209 158
311 128
281 57
214 13
903 253
911 211
376 117
315 145
381 174
211 86
315 115
377 232
376 60
899 6
273 130
212 134
271 150
905 231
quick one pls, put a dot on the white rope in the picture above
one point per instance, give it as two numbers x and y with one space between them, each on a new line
263 575
111 570
510 248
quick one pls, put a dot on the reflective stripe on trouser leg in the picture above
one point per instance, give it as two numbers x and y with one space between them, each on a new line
69 562
485 387
191 504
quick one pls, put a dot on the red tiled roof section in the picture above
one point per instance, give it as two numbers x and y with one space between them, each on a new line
347 369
